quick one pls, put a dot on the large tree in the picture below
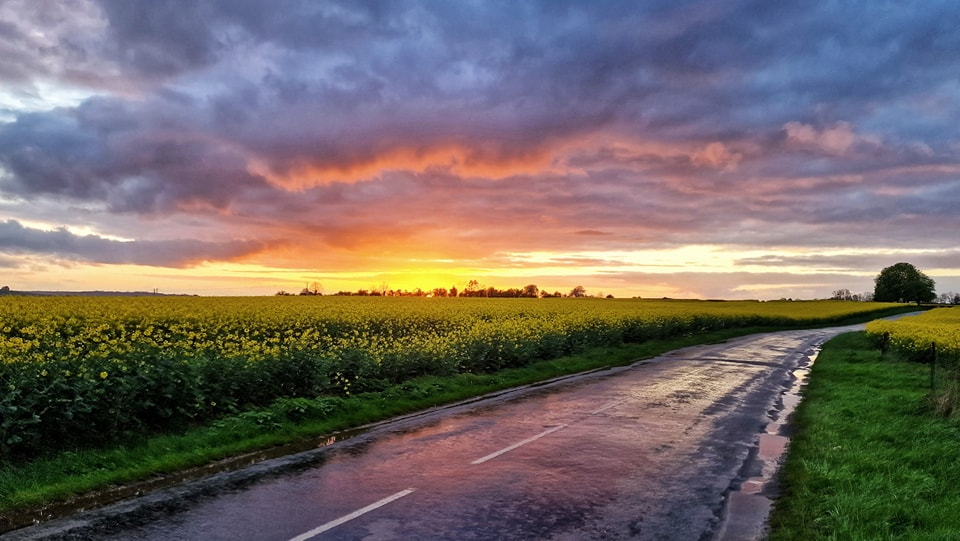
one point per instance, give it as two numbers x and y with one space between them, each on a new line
903 283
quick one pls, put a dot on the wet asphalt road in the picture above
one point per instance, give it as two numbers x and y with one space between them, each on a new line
644 452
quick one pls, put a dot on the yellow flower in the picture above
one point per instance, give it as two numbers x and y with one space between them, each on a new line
103 375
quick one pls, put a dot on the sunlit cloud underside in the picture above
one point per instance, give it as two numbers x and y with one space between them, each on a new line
712 150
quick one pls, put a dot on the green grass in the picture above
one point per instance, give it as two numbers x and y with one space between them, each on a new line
870 459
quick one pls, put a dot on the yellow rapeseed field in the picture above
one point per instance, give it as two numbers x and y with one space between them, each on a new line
940 326
74 367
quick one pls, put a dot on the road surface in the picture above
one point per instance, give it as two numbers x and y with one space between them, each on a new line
652 451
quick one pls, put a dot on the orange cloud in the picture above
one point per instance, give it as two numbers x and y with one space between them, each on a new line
494 161
454 159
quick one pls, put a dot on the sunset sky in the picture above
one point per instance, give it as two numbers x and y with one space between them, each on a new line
716 149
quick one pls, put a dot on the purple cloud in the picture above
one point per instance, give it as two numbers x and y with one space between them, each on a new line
478 129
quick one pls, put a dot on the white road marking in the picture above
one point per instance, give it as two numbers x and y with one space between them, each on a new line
605 408
346 518
518 444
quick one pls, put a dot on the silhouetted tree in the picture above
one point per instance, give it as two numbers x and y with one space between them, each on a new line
313 288
472 289
530 290
578 291
903 283
842 295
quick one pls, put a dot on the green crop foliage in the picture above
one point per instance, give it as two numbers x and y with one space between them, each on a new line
78 372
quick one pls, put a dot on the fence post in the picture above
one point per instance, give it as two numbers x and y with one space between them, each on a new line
933 365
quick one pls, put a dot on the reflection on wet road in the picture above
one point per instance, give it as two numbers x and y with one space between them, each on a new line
644 452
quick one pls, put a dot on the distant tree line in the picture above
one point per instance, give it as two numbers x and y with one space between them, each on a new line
846 295
311 289
950 297
901 282
472 289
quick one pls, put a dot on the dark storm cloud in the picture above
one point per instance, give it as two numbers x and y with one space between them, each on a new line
131 160
498 125
62 244
163 37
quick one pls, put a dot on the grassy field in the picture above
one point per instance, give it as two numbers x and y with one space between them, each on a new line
871 459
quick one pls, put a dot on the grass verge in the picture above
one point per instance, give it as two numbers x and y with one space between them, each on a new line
870 459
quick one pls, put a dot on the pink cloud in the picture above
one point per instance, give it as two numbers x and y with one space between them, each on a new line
718 156
837 139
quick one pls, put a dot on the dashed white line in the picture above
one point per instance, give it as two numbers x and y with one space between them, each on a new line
605 408
346 518
518 444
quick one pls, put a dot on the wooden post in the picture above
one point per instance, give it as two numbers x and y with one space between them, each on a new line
933 366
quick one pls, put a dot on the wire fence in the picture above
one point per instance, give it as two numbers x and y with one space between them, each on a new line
944 366
944 377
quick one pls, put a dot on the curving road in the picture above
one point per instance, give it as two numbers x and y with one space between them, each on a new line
650 451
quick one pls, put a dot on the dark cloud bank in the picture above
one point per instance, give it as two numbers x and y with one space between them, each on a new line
752 123
61 243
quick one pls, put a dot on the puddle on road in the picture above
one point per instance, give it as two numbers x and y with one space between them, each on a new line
772 447
748 506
